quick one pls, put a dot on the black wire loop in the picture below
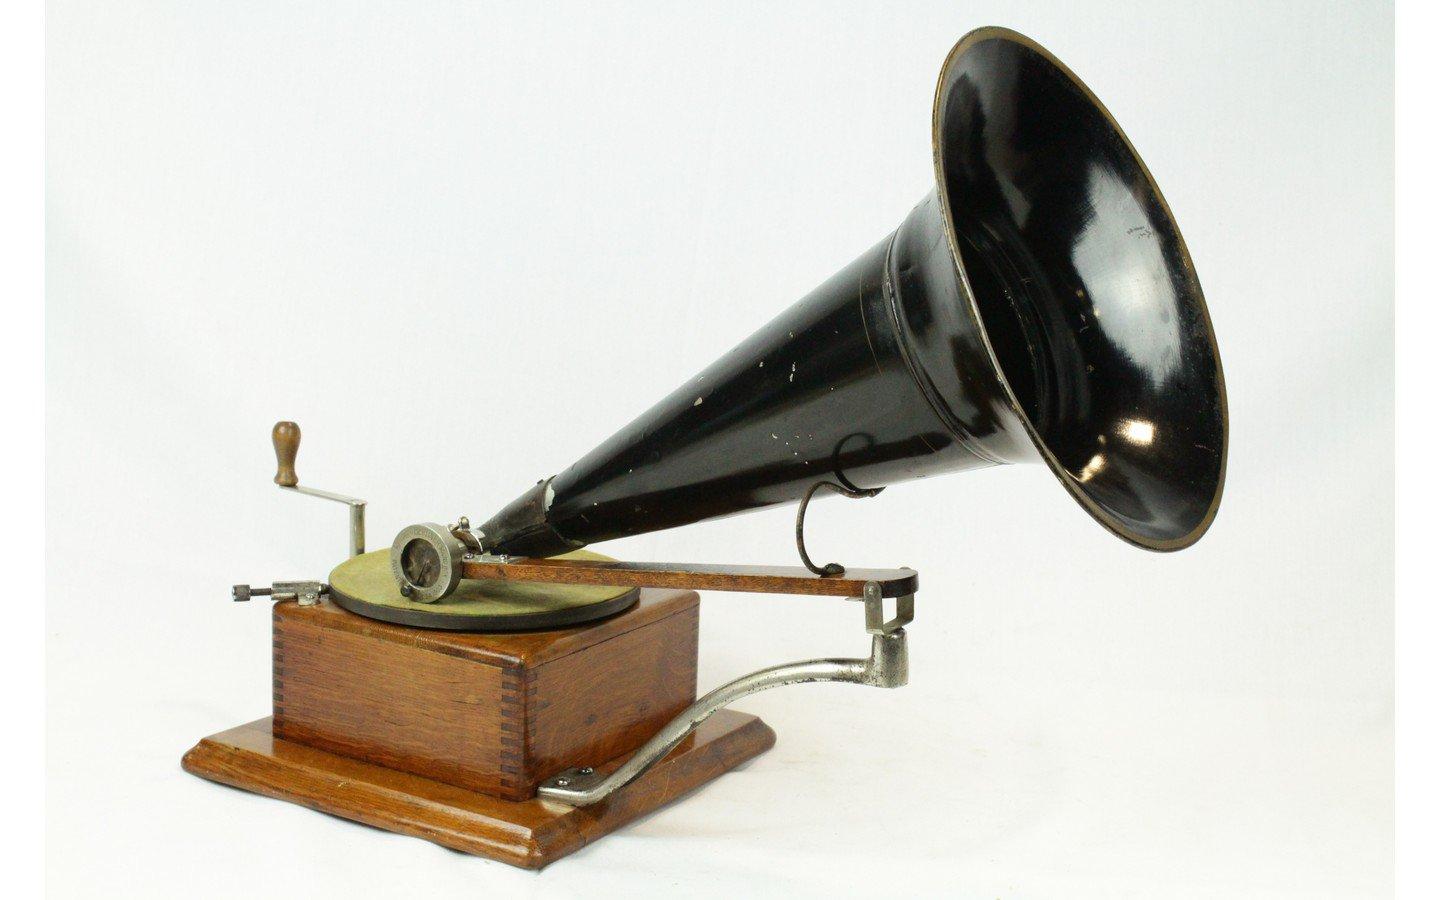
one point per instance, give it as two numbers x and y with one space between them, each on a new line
845 490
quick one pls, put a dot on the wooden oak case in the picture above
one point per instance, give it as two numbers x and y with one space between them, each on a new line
446 735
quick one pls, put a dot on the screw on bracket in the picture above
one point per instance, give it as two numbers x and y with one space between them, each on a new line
306 593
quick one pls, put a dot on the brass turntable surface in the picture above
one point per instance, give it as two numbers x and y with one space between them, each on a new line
364 585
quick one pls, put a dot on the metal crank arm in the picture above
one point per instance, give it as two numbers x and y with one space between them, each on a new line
888 666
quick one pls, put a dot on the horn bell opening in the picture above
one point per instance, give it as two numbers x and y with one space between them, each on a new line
1079 280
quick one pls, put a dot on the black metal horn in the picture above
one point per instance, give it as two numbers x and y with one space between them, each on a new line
1038 306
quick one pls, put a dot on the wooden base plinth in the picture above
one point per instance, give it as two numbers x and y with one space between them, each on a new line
528 833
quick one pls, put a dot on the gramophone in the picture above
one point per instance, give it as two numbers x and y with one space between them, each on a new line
500 690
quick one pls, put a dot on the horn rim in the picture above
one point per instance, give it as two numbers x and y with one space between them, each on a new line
1068 480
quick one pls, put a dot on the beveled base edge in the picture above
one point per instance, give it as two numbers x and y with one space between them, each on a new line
530 833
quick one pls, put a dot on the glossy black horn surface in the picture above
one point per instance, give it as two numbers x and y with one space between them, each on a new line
1086 292
1039 305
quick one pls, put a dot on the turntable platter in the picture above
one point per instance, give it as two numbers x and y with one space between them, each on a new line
364 585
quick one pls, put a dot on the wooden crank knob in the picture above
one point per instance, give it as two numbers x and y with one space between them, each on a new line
286 438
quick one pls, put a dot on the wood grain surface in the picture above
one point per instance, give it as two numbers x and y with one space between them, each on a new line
495 713
531 833
285 436
698 576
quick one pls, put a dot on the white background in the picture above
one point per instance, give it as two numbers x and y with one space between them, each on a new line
461 246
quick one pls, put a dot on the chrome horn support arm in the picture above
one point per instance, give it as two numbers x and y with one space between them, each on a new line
888 666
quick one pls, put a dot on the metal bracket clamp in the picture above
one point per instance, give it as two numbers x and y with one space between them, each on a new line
888 666
305 593
875 621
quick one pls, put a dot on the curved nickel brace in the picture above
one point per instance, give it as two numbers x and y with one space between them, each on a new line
888 666
846 490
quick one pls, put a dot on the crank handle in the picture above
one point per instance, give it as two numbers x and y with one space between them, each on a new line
285 436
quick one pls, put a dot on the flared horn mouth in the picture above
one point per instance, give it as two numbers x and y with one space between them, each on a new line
1039 304
1079 280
